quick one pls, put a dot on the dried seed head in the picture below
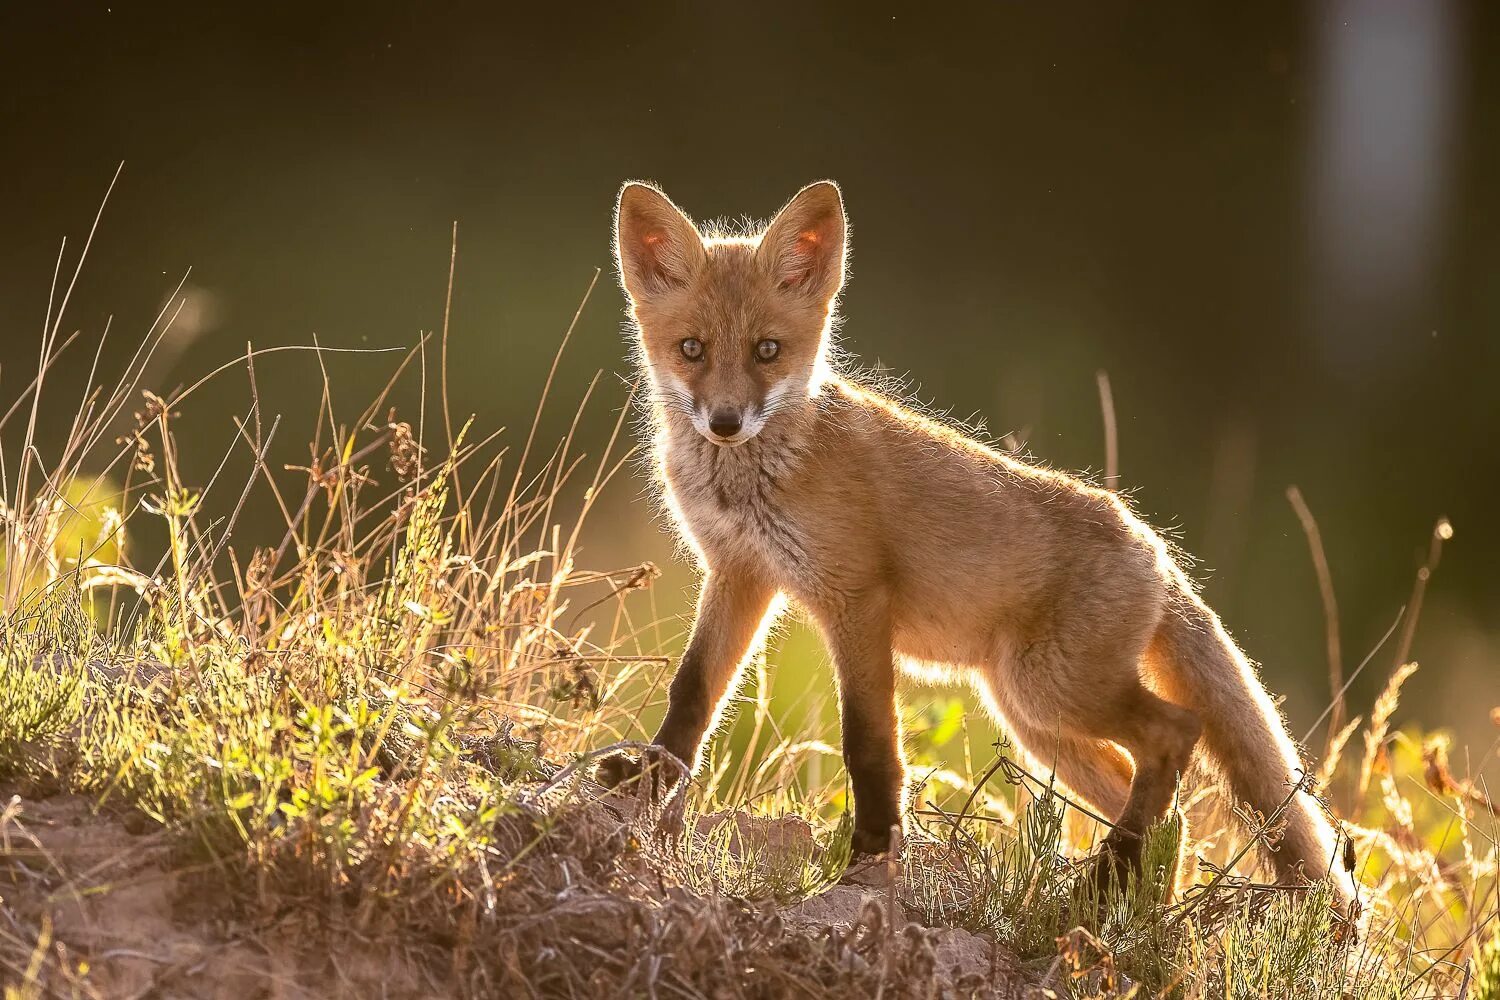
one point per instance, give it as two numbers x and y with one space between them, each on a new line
406 453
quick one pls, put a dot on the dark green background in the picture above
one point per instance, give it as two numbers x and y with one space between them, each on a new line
1276 229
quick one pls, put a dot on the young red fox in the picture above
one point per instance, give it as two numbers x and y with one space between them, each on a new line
910 544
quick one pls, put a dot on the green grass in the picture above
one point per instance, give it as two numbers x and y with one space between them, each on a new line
375 719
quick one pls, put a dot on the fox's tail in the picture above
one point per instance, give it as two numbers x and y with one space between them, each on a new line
1201 667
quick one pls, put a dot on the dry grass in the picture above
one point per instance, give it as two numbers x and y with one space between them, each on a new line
360 749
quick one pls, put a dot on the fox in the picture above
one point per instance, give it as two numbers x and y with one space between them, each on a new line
917 549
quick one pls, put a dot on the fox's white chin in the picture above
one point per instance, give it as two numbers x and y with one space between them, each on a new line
733 442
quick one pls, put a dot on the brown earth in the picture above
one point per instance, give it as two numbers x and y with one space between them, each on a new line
119 915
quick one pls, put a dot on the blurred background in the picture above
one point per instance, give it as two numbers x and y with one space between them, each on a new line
1275 228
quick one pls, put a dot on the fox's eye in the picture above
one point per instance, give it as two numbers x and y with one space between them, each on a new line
767 350
692 348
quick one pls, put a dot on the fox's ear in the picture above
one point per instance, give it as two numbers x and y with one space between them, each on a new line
804 247
657 247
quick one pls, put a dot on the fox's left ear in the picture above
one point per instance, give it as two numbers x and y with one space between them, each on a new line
804 247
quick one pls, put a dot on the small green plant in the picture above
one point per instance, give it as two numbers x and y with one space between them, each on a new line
1485 984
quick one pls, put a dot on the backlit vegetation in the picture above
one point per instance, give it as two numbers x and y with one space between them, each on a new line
366 741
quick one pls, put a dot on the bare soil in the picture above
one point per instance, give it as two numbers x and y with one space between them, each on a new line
120 914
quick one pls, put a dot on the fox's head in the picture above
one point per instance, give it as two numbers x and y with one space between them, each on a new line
732 330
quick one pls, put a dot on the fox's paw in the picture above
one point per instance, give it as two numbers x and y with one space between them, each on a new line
874 856
617 769
653 771
873 871
1117 861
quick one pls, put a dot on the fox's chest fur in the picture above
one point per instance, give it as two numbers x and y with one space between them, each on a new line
734 507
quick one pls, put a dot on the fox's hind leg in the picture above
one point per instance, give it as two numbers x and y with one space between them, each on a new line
1160 737
1095 771
1093 694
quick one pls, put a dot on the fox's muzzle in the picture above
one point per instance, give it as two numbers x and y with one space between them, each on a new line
727 426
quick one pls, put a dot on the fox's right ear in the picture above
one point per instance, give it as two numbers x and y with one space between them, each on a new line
657 247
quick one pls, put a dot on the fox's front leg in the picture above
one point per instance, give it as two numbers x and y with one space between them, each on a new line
732 608
859 637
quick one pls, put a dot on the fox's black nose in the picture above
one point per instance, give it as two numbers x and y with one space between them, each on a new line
725 423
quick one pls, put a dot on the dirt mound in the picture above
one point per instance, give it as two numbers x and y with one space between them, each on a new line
102 903
112 913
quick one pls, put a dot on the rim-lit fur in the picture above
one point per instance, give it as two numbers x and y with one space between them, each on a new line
911 544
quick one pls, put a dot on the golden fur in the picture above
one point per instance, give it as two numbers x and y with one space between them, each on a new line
912 545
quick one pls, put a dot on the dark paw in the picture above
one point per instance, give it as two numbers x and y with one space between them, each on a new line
874 857
871 870
1118 861
653 772
876 840
617 769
